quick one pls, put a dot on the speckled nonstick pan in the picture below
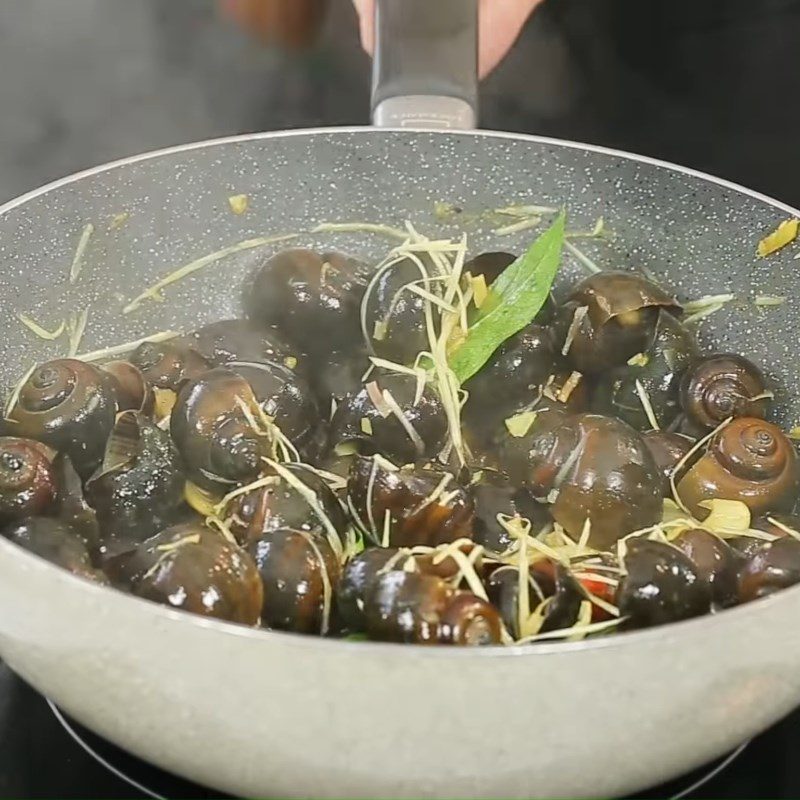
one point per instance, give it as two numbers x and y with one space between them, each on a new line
259 713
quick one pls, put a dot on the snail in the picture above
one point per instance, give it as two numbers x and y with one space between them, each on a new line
554 581
70 406
656 372
28 480
312 297
212 428
513 379
337 376
137 489
166 365
386 417
493 493
722 386
190 567
286 398
749 460
394 318
133 391
661 585
667 449
590 467
55 541
409 506
770 567
715 563
357 578
423 609
619 321
299 572
228 340
281 504
502 589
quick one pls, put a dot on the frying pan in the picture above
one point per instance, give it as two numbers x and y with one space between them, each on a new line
259 713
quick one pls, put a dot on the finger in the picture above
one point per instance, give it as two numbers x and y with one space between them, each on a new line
500 23
366 22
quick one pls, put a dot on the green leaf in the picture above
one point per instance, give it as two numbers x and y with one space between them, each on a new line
515 298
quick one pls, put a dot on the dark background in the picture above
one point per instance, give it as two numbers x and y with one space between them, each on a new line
709 83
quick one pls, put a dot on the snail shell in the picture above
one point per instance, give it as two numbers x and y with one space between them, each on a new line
133 391
720 387
216 441
667 449
165 365
69 405
28 485
749 460
622 309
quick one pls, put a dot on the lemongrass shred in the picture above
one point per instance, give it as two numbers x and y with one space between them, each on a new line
386 537
366 426
118 220
80 251
203 502
639 360
515 227
12 400
117 349
644 399
154 292
429 296
525 210
376 397
170 547
707 300
327 586
480 291
570 384
584 619
574 327
702 314
76 326
39 331
769 300
595 627
788 530
215 522
581 257
360 227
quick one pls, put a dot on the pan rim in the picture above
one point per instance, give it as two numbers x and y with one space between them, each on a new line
629 639
9 205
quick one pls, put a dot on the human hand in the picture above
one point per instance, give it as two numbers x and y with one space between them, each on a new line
500 22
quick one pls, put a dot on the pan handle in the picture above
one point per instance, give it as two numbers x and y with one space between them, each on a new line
425 71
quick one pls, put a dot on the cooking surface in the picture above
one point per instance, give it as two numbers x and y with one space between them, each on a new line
39 759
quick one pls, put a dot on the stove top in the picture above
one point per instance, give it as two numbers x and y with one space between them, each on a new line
44 754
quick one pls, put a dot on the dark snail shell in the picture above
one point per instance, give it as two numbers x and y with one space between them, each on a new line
357 578
749 460
192 568
424 506
294 566
280 504
422 609
422 435
502 588
722 386
667 449
138 488
512 380
219 343
133 391
166 365
71 506
468 620
771 567
622 309
336 377
286 398
69 405
28 482
493 493
54 541
490 265
715 563
658 371
313 298
394 317
661 585
566 594
216 441
589 467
